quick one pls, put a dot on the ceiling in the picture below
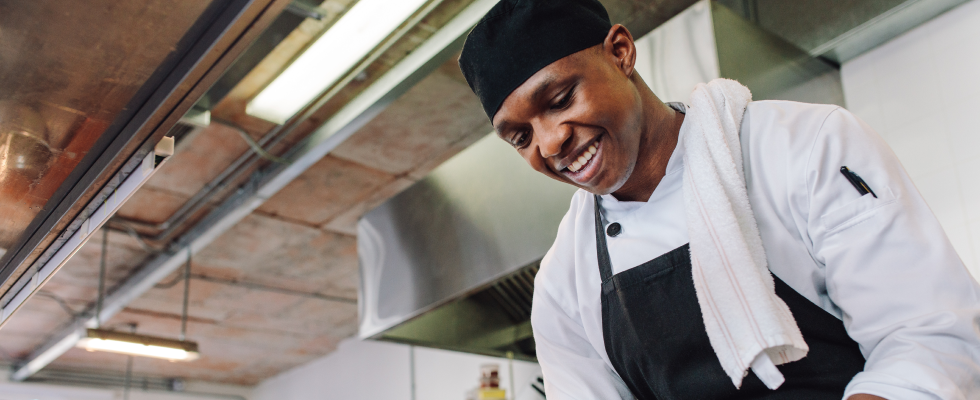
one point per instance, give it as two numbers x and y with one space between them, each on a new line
279 288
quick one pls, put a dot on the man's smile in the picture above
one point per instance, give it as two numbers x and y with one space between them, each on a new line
584 166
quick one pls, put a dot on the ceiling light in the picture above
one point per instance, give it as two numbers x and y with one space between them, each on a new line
348 41
139 345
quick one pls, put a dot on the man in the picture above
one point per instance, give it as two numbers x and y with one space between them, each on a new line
875 290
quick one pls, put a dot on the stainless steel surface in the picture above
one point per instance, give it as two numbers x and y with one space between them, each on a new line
481 215
770 66
882 28
493 319
707 41
838 30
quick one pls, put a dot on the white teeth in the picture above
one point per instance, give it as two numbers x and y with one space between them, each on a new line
583 159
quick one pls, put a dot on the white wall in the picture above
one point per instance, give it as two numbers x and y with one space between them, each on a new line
921 92
378 370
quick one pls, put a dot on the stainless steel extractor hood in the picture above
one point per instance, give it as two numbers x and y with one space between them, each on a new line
466 240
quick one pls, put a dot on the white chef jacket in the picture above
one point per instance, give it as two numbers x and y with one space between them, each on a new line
883 265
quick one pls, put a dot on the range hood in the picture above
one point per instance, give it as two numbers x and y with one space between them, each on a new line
449 263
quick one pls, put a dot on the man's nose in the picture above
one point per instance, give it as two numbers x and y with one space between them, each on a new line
555 139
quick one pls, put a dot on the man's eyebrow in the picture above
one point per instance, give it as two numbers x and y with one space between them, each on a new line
543 87
502 127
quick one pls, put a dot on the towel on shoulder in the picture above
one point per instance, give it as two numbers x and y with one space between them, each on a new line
747 324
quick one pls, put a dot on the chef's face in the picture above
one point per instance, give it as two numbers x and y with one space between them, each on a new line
578 120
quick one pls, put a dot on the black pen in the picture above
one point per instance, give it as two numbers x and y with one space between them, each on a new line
857 182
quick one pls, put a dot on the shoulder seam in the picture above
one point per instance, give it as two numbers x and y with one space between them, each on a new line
809 157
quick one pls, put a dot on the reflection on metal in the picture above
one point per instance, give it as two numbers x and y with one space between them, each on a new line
198 117
105 114
771 67
838 30
882 28
479 217
41 272
24 147
708 41
25 155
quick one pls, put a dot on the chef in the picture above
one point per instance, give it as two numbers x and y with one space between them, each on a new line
725 249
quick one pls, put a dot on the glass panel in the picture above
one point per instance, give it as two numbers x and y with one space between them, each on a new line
67 69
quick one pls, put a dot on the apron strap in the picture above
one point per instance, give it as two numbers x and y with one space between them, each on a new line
602 252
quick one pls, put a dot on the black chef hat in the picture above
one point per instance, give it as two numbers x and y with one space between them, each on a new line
519 37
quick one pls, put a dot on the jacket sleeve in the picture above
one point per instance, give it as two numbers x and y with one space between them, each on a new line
905 295
571 367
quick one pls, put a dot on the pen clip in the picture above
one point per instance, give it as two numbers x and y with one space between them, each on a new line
856 181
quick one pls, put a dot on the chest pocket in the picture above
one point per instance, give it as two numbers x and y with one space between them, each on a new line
857 210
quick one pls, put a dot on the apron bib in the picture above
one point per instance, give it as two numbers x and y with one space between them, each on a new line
655 336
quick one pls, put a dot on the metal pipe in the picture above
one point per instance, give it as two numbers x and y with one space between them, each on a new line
187 292
98 303
257 286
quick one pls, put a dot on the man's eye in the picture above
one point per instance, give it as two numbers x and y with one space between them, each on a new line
562 102
522 140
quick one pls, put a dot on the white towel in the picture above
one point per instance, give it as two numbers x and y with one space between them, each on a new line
747 324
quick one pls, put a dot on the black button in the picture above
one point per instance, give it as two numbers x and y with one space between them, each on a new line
614 229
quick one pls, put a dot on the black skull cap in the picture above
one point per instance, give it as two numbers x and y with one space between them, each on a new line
518 38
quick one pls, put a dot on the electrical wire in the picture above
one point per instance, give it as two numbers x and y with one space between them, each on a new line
136 235
61 302
167 285
257 148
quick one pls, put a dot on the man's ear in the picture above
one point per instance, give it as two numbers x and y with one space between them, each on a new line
619 45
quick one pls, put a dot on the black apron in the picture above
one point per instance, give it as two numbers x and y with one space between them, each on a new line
656 340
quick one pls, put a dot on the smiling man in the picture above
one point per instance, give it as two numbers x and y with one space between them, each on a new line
726 250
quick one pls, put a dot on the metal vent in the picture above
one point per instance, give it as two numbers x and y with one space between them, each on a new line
494 319
513 293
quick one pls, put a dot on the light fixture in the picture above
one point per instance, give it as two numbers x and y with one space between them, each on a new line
331 56
138 345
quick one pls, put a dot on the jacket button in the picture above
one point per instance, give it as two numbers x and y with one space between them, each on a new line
614 229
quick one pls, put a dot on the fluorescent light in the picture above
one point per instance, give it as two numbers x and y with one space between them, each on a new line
350 39
139 345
